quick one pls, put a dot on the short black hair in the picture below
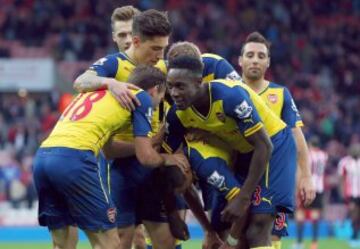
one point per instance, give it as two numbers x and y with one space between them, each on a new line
151 23
190 63
146 77
257 38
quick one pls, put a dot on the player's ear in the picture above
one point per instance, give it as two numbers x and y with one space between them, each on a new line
268 64
136 41
152 91
240 60
113 36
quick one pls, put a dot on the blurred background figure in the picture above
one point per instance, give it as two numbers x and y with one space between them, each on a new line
318 160
349 170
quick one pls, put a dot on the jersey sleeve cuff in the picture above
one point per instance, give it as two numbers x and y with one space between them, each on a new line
253 129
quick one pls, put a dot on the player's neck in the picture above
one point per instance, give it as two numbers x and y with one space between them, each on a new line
130 52
257 85
202 103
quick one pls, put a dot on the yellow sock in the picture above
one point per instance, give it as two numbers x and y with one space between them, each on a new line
276 244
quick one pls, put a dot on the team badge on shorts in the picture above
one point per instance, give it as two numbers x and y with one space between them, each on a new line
221 117
111 214
273 98
280 221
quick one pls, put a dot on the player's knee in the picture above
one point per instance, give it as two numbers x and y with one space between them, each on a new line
165 242
259 229
126 237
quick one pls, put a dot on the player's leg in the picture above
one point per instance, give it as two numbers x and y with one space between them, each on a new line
279 230
139 238
125 177
53 210
108 239
65 237
354 213
300 219
160 235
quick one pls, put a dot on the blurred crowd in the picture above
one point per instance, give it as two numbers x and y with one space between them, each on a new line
315 52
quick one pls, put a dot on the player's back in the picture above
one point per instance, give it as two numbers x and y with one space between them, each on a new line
221 124
89 121
216 67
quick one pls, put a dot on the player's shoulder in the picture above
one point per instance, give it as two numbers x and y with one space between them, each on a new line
274 85
210 56
162 65
224 89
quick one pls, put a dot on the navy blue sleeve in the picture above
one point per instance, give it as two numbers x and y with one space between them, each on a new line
174 133
239 106
141 116
290 114
106 66
224 70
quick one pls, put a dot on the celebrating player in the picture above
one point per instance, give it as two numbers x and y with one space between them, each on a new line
66 173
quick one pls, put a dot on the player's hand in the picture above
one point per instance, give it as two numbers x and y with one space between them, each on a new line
236 208
179 160
122 92
306 190
211 241
178 227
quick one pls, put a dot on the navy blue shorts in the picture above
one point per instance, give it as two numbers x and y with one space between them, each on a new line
135 193
71 190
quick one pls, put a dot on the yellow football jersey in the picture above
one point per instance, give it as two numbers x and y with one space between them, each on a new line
91 118
120 66
235 113
279 99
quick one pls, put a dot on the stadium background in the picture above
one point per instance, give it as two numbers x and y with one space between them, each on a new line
44 45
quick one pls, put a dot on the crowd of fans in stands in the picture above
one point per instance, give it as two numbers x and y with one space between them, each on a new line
315 52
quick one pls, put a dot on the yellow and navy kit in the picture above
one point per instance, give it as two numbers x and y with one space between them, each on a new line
119 66
279 99
235 112
91 118
216 67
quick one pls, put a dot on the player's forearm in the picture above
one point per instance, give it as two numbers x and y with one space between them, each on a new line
193 200
119 149
89 81
259 161
303 160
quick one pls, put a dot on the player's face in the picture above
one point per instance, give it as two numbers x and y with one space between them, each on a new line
122 34
182 87
150 51
254 61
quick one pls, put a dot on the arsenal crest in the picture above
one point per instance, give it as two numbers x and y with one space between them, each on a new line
273 98
111 214
221 116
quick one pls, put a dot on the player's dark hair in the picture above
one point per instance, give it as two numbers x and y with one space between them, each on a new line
125 13
151 23
183 48
190 63
146 77
257 38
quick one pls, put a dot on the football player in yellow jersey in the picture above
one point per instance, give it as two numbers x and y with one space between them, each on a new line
66 174
151 30
150 36
237 115
254 61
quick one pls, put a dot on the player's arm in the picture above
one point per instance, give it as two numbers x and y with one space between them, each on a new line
144 151
115 148
292 118
212 239
224 70
101 76
239 106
